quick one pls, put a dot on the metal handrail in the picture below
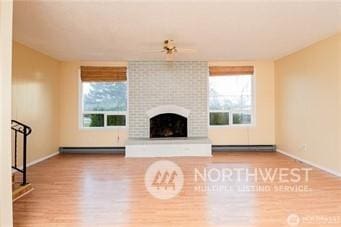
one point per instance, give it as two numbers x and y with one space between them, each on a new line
25 130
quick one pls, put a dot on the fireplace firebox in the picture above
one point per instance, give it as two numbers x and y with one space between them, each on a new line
168 125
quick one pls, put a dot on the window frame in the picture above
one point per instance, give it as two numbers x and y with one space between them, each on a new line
234 111
105 113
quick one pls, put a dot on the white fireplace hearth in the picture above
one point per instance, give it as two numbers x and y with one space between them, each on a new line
174 147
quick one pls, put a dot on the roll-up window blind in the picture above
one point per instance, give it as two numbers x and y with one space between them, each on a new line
103 74
231 70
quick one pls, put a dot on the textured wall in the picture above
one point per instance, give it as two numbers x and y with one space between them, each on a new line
157 83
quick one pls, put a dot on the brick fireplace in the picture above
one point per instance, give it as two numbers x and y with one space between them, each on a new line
159 90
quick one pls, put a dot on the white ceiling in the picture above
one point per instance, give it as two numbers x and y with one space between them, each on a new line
127 30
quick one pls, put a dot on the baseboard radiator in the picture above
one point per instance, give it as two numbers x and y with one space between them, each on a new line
121 150
223 148
92 150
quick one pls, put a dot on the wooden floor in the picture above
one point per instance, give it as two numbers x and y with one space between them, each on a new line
108 190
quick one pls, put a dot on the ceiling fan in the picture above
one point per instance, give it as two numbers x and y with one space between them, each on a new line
170 49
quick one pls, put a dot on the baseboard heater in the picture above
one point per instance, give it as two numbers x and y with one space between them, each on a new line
92 150
222 148
121 150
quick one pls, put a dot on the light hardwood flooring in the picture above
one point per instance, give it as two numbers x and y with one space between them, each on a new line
109 190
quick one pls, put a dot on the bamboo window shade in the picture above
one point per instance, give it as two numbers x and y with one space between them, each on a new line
231 70
103 74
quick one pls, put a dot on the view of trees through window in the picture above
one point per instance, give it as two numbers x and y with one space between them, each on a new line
104 104
230 99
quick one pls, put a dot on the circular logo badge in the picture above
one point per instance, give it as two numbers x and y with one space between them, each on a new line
164 179
293 220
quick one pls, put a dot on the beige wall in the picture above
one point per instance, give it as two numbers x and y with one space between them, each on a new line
71 133
263 130
6 12
308 93
35 99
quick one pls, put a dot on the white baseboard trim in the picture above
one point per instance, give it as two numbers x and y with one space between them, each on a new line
42 159
336 173
37 161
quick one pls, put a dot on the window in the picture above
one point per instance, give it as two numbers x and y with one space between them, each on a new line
230 100
219 118
104 104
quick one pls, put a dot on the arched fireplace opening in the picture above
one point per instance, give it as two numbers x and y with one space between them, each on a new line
168 125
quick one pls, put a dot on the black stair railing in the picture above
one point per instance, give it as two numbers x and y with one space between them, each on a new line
20 128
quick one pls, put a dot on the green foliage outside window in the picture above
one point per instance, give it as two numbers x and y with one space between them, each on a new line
241 118
219 118
116 120
105 98
93 120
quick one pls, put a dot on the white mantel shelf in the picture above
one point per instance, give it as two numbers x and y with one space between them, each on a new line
169 147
